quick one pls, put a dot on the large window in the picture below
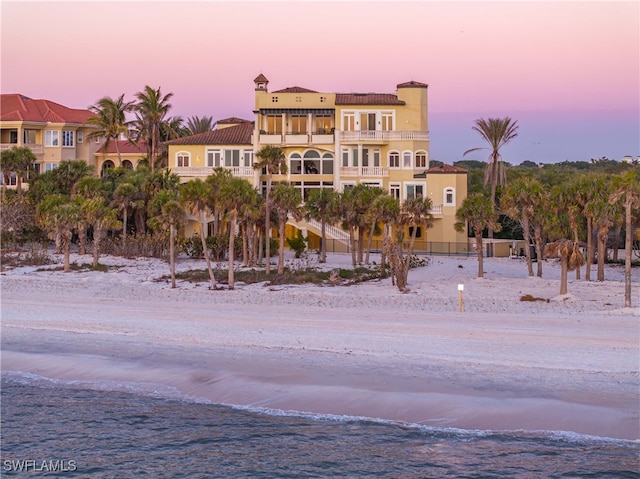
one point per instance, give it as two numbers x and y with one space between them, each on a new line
51 138
394 159
414 190
248 157
68 138
323 124
421 159
349 121
274 124
406 159
29 137
367 121
213 158
387 120
298 124
182 159
370 157
394 190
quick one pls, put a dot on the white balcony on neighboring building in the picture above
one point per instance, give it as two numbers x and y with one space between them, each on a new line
383 136
204 171
35 149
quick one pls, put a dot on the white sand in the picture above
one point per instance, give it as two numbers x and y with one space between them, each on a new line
569 364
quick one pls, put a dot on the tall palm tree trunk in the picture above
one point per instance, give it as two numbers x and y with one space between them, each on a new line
205 250
628 246
480 255
231 252
172 253
590 252
527 240
323 245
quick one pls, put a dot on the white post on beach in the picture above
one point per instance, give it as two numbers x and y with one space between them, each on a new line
460 290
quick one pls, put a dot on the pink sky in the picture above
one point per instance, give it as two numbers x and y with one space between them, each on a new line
557 64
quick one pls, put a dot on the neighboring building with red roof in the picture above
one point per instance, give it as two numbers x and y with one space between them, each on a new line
52 131
127 154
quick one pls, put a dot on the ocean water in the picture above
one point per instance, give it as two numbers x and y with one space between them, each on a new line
72 429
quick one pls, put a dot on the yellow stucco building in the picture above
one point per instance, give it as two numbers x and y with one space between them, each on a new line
335 140
53 132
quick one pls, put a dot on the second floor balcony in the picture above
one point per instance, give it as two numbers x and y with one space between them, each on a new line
381 136
204 171
35 149
296 139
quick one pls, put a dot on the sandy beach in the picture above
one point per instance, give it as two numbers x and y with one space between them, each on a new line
571 363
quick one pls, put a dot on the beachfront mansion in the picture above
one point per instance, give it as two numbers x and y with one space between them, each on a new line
330 140
334 140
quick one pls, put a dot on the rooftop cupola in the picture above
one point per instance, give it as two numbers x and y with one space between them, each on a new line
261 82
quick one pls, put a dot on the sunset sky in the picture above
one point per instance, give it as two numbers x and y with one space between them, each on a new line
569 71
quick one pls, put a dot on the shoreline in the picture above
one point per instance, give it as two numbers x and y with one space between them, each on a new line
544 368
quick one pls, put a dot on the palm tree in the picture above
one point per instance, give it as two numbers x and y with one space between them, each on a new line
87 188
102 218
196 125
110 121
125 197
414 213
388 210
478 211
321 206
273 160
519 201
497 132
151 110
195 194
627 191
570 257
58 215
170 213
373 215
286 201
17 160
215 182
234 193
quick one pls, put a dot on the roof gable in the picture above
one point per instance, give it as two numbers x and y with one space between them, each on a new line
232 135
295 89
367 99
17 107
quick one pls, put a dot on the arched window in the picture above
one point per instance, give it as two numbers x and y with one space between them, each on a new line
107 165
127 165
327 164
311 162
406 159
394 159
295 164
449 196
421 159
183 159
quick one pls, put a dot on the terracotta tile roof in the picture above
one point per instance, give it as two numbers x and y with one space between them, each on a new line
445 169
232 135
232 120
126 147
261 79
367 99
16 107
412 84
295 89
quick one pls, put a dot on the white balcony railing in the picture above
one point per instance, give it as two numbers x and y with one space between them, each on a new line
436 209
383 136
34 148
368 171
204 171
